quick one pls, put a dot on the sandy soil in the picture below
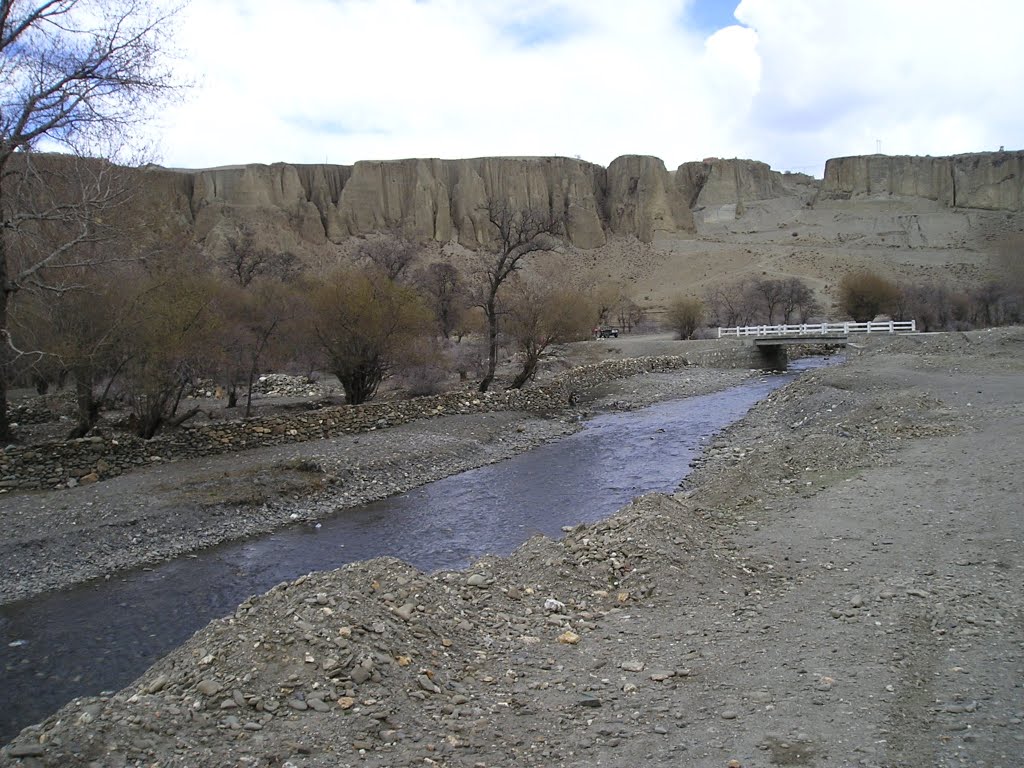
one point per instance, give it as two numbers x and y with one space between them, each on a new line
836 584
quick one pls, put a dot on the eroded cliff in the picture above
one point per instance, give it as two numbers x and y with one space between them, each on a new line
636 195
986 180
715 182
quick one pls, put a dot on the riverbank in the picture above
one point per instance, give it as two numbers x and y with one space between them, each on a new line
838 582
62 537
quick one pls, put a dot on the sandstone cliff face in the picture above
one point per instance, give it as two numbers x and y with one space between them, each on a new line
717 182
643 199
441 199
988 180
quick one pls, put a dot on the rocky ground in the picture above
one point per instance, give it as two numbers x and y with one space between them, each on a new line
837 583
57 538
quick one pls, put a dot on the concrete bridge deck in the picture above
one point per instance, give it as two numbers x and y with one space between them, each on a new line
772 340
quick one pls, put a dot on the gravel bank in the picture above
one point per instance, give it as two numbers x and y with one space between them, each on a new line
838 584
62 537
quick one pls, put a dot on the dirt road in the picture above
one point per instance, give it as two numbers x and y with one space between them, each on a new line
838 583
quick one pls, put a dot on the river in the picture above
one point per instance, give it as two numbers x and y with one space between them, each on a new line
101 635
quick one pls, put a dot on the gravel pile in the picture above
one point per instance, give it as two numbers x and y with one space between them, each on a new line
283 385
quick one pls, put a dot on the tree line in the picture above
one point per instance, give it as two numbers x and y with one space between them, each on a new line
141 330
861 295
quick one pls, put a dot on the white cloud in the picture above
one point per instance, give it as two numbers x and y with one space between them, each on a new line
344 80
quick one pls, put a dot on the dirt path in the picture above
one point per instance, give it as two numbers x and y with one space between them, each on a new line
837 584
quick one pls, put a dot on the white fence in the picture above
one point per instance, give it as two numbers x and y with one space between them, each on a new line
820 329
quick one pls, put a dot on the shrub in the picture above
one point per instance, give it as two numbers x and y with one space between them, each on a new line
685 315
865 295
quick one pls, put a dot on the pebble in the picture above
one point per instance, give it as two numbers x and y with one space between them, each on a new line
208 687
26 750
427 684
318 705
406 611
729 714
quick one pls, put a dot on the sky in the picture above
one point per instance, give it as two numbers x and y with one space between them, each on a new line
788 82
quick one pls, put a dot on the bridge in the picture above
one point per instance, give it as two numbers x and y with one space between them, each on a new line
814 333
771 340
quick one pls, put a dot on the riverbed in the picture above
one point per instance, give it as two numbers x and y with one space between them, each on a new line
101 635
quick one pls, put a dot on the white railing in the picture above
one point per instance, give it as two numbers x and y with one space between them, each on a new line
821 329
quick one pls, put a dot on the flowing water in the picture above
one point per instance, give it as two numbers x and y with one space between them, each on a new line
102 635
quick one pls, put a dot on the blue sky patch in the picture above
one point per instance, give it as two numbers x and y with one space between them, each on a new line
554 26
709 16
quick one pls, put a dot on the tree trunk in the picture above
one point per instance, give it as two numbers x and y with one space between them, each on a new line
5 350
233 396
248 391
528 371
88 406
492 341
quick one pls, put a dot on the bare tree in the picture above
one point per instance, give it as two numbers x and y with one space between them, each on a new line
442 286
391 254
251 320
770 293
731 304
170 344
541 312
798 302
248 260
631 314
80 74
366 325
520 232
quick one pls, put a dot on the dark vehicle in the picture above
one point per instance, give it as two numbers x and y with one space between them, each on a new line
606 332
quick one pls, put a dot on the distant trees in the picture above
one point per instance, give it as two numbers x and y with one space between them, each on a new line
446 295
390 254
797 301
865 294
613 305
518 233
761 301
685 315
248 259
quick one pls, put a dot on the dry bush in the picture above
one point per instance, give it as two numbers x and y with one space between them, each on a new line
368 326
685 315
864 295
